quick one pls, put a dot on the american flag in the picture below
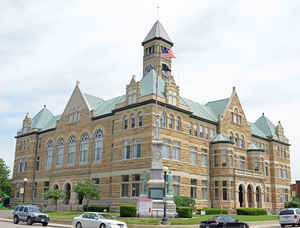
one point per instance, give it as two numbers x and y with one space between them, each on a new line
168 54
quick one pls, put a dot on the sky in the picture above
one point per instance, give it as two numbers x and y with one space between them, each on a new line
251 44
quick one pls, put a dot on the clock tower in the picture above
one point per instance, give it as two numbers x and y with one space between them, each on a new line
157 40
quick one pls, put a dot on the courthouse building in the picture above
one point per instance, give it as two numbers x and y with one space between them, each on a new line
214 153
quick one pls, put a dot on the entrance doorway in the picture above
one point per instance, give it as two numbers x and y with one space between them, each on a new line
67 193
241 196
250 196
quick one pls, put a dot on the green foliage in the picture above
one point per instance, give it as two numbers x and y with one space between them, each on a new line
251 211
54 194
127 210
87 190
295 202
184 201
184 212
213 211
5 184
98 209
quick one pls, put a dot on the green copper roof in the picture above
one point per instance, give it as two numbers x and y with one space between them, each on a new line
217 107
107 106
148 84
219 138
200 110
52 123
93 101
253 147
41 119
266 126
256 131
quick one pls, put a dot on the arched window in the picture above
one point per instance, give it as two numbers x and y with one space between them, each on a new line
49 154
60 152
137 149
242 141
163 119
236 139
84 148
132 121
125 122
256 164
178 123
171 121
140 116
98 145
71 151
231 137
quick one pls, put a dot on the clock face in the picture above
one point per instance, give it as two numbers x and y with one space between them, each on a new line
148 68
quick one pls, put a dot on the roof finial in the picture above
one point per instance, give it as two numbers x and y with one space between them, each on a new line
233 89
263 113
44 106
77 83
157 8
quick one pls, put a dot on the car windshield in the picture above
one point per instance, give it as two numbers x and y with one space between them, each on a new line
105 216
286 212
34 209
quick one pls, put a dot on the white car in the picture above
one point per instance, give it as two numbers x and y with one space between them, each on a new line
97 220
289 216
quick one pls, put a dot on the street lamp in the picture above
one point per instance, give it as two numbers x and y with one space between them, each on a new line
164 220
24 186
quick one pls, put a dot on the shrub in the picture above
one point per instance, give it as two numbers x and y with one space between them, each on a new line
295 202
127 210
184 212
213 211
98 208
251 211
184 201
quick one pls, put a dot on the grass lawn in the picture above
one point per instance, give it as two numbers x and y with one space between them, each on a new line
67 216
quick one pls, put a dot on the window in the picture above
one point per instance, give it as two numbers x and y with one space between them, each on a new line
236 139
207 133
131 95
71 151
231 137
232 190
96 181
132 120
18 187
98 145
163 119
235 161
256 164
60 152
191 129
193 155
204 190
242 141
46 186
135 186
126 150
176 150
236 118
172 97
35 190
216 159
216 194
112 152
37 163
224 159
125 186
212 132
112 127
176 189
178 123
84 148
137 149
20 166
193 188
49 154
140 115
204 158
224 190
195 130
25 165
267 197
266 169
171 121
230 159
74 116
125 122
166 148
242 162
201 131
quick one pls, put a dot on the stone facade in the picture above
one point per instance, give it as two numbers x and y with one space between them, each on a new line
113 146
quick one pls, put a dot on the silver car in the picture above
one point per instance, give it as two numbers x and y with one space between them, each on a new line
97 220
289 216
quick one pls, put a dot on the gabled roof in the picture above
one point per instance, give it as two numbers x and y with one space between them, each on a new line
219 138
93 101
148 84
41 119
253 147
218 106
51 123
266 126
256 131
107 106
157 32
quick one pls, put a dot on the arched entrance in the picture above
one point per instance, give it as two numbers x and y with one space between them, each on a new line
67 193
241 196
258 197
250 196
55 187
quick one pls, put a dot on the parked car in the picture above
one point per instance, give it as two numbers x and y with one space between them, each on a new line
30 214
223 222
289 216
97 220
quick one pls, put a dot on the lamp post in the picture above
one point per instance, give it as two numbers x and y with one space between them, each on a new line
164 220
24 187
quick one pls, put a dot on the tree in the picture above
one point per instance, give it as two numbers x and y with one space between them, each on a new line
87 190
5 185
55 194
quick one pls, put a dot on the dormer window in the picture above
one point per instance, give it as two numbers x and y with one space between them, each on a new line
172 97
131 95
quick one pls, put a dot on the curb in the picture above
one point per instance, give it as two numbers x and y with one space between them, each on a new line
49 224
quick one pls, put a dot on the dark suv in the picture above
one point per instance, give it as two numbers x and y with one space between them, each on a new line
30 214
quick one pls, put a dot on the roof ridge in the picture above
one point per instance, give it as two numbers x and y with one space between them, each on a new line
218 100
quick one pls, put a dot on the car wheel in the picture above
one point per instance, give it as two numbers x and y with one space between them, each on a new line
44 224
78 225
16 220
282 225
102 225
29 221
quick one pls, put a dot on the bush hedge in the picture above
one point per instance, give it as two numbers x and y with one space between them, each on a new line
97 209
184 201
251 211
213 211
127 210
184 212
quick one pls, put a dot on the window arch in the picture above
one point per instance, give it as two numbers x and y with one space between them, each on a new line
132 121
60 152
163 119
125 122
178 123
171 121
140 116
84 148
71 151
49 154
236 139
242 141
98 145
195 130
231 136
137 149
